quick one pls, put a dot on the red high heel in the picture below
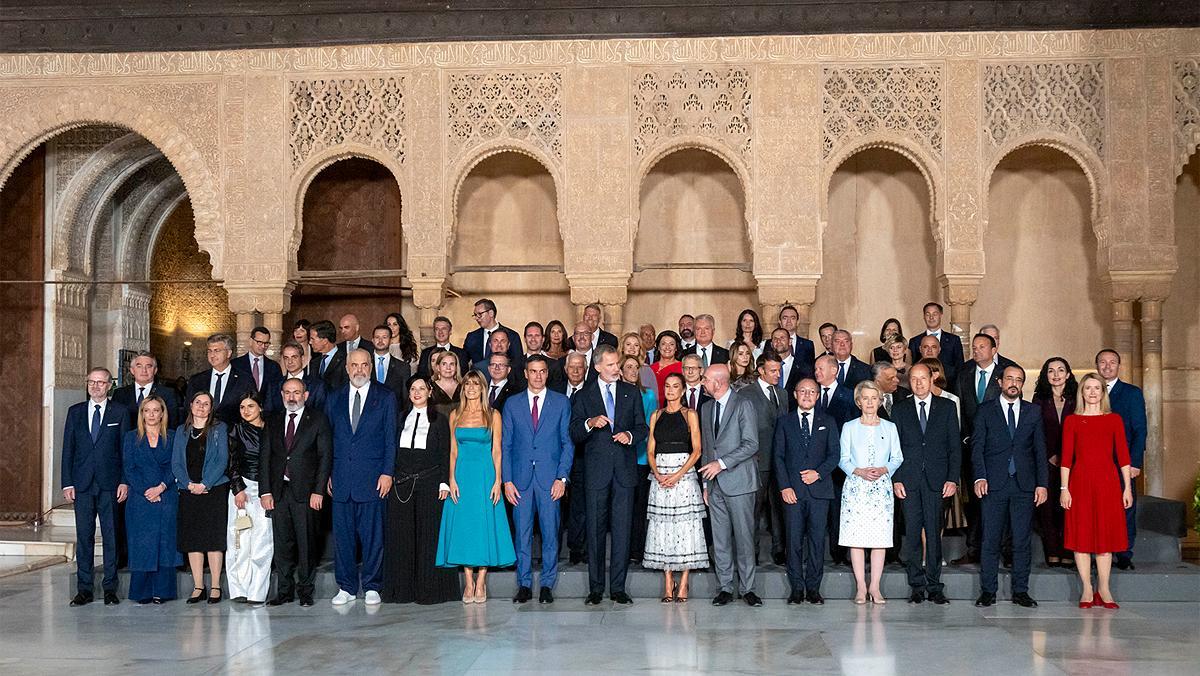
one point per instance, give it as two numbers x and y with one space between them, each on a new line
1110 605
1086 604
1096 600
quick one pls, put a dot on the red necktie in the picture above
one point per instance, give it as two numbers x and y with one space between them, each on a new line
289 439
535 412
692 398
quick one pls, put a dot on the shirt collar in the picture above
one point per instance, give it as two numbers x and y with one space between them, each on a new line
361 390
225 372
926 400
299 414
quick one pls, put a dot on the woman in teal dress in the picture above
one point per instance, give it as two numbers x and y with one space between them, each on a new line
475 533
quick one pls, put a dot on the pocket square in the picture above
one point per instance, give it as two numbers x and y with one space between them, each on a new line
820 428
112 424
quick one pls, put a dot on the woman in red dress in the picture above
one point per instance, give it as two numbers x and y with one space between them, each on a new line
1095 504
666 351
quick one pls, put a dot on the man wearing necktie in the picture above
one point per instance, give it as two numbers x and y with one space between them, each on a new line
978 383
225 383
709 352
264 371
362 418
608 419
388 371
92 479
327 361
770 404
1011 479
144 369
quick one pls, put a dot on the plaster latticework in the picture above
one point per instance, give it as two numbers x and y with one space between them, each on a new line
524 106
904 101
707 101
1187 109
1064 97
328 112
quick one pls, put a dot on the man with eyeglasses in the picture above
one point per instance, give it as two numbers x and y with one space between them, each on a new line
226 384
478 342
500 386
266 373
92 481
144 369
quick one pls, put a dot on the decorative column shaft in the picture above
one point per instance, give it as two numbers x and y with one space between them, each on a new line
1122 319
614 318
273 321
245 324
961 292
1152 466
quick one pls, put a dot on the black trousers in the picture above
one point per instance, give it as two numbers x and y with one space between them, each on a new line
609 508
806 523
294 531
641 501
575 504
768 509
922 509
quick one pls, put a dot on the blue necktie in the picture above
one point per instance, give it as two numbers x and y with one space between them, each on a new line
981 388
610 405
1012 433
325 362
924 418
805 430
96 424
379 371
841 377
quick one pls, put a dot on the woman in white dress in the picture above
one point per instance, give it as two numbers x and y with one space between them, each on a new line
870 456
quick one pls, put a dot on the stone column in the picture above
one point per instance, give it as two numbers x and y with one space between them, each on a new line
428 296
769 316
1152 389
961 292
266 302
1122 319
274 323
245 323
614 318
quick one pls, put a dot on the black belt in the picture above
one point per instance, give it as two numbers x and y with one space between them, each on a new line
401 477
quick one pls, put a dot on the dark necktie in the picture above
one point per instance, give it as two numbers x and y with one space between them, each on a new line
841 376
535 413
923 417
412 443
356 412
774 397
492 397
217 394
716 419
704 356
1012 433
324 363
487 344
289 440
256 371
141 395
96 424
805 430
692 399
824 398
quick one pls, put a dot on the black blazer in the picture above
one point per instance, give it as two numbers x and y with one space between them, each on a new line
308 463
856 372
606 338
793 455
700 400
272 377
425 368
126 396
239 384
432 464
951 355
316 393
934 456
898 396
511 386
841 405
719 355
335 375
606 460
991 447
473 346
396 379
966 395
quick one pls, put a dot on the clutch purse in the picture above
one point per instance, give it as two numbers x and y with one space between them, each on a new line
241 522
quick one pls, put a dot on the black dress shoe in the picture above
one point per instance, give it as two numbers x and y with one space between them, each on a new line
621 598
81 599
1124 564
722 599
280 600
964 560
306 601
575 558
238 599
1024 600
795 599
939 598
916 597
985 599
752 599
143 602
214 599
593 599
545 596
523 595
110 598
197 598
779 558
815 598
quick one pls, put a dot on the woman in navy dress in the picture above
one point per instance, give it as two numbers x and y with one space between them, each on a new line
153 502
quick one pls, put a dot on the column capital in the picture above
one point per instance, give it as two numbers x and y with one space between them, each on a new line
786 289
599 287
960 289
1139 285
271 297
428 293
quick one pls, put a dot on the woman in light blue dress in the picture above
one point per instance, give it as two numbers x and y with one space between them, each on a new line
474 532
870 457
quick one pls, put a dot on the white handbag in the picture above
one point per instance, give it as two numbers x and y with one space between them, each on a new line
241 522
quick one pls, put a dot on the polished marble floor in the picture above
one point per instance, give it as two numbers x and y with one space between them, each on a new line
40 634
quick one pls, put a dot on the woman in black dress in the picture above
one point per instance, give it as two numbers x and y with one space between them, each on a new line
445 382
414 506
199 460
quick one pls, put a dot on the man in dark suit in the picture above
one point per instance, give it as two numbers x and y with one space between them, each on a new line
291 356
709 352
929 347
144 369
575 370
226 384
500 345
608 419
500 385
1001 361
851 371
386 370
1126 400
803 349
807 449
294 472
266 373
888 381
348 334
592 315
694 395
328 361
362 417
478 342
442 328
836 401
932 449
978 383
951 352
770 403
92 480
825 333
1009 462
790 371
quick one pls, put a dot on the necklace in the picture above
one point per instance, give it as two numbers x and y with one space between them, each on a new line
196 434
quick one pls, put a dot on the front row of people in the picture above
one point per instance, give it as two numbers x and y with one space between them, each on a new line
417 496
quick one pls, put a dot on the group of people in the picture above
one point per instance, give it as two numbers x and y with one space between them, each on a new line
662 448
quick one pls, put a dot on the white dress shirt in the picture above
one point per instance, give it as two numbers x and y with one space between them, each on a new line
573 389
421 424
1004 402
362 391
690 392
212 381
785 368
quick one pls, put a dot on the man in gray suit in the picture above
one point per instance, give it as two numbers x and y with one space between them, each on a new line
770 402
729 434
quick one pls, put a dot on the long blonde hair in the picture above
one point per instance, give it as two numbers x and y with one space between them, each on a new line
1105 406
163 424
461 408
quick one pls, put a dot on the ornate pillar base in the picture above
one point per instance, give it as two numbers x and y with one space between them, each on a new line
1152 466
961 292
776 291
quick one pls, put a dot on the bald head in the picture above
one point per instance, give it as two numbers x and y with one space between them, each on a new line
716 380
348 328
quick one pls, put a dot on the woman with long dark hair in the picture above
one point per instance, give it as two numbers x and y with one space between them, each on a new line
249 551
403 345
556 340
200 460
667 349
1055 394
749 331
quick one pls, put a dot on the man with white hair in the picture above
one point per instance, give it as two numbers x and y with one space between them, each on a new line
709 352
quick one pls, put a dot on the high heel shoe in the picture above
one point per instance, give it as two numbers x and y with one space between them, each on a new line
214 599
469 595
197 598
1099 601
1090 603
861 600
481 594
876 599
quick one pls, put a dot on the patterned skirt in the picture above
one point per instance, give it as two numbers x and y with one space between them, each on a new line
675 520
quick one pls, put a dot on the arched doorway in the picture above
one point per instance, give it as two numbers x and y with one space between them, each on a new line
351 256
1042 285
879 258
691 254
507 245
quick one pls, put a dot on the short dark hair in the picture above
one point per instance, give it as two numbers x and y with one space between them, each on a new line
1109 350
827 325
325 329
146 353
1014 366
441 318
883 328
382 327
933 304
292 344
507 361
487 304
991 340
766 356
537 324
536 358
302 322
260 329
787 307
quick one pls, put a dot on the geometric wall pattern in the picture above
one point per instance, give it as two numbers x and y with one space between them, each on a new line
516 105
325 113
704 101
902 100
1063 97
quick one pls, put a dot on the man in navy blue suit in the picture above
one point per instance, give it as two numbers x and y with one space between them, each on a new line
225 383
478 342
362 416
608 419
1009 462
92 480
536 454
442 328
806 451
837 401
291 356
851 370
1126 401
803 349
951 352
264 371
144 369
